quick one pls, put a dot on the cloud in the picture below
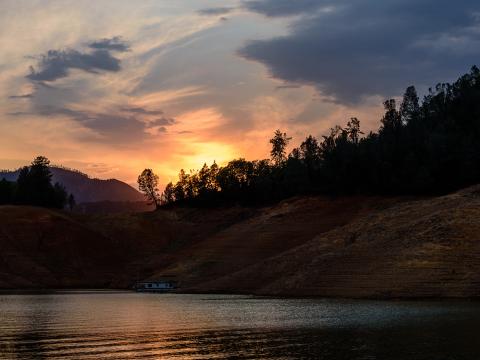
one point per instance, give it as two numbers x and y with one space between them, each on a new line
274 8
163 121
110 127
56 64
284 87
113 44
216 11
362 48
24 96
142 111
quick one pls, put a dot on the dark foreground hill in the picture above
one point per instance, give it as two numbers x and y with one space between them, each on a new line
40 248
344 247
86 189
423 248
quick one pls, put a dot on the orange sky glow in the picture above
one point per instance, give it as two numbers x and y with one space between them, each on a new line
113 87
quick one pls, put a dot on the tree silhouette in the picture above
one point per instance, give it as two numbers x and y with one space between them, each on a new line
148 184
279 147
410 108
168 195
427 148
34 186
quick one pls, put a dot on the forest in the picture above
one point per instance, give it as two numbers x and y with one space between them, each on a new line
426 148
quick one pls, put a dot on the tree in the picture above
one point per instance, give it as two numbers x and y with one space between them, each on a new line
39 182
310 154
279 147
235 178
148 184
353 130
391 120
169 193
181 186
34 186
409 109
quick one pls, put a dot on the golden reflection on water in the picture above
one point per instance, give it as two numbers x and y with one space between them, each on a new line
147 326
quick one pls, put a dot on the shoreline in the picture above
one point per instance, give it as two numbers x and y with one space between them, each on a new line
85 291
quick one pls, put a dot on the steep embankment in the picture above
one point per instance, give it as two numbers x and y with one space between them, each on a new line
40 248
257 236
424 248
344 247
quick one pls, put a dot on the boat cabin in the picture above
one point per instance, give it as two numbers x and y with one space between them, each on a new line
162 285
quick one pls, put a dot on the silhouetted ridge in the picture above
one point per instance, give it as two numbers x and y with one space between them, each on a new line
85 188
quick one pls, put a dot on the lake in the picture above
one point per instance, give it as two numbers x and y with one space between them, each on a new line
125 325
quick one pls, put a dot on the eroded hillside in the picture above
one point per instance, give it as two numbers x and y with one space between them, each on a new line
423 248
309 246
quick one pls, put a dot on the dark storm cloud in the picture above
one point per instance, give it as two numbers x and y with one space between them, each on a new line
352 49
273 8
56 64
215 11
114 44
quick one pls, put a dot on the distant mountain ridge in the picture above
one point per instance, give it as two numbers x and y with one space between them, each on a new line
86 189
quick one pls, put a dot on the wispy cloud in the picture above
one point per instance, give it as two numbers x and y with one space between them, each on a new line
278 8
163 121
215 11
141 110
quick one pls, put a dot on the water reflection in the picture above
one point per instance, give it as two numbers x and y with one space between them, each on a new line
132 326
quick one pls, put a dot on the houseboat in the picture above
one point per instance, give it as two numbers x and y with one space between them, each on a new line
155 286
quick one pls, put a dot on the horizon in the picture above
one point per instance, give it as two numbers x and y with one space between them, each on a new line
112 88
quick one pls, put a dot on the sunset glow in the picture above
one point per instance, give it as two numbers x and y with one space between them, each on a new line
112 87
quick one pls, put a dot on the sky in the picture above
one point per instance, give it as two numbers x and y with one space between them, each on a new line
115 86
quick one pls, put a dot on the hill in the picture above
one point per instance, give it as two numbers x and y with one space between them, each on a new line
305 246
46 249
86 189
423 248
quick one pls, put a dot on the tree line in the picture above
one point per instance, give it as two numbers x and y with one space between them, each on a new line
426 148
34 187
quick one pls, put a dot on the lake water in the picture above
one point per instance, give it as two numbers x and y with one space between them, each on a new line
93 325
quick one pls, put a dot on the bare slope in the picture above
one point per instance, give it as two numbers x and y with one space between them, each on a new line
424 248
40 248
343 247
262 234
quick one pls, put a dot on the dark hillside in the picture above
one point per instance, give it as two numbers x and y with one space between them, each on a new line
46 249
304 246
86 189
424 248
